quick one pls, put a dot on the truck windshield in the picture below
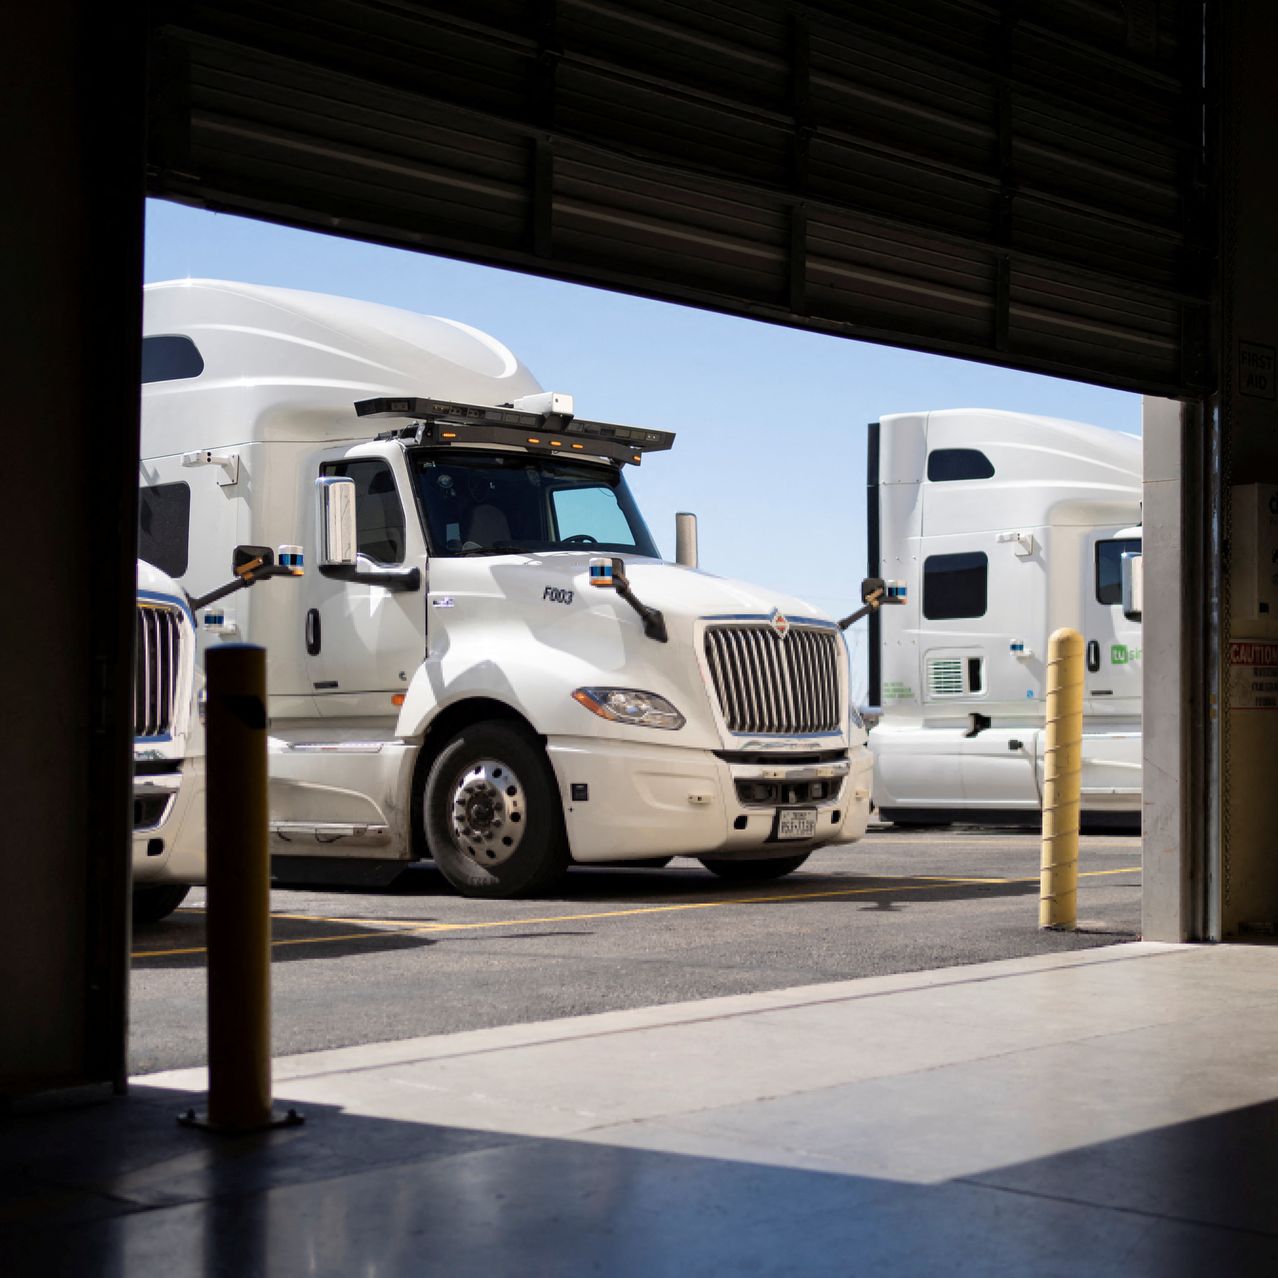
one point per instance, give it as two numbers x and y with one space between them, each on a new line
499 503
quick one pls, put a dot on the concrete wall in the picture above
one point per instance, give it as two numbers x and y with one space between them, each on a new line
1247 405
73 77
1210 721
1175 720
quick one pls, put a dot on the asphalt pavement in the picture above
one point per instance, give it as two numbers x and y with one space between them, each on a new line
359 966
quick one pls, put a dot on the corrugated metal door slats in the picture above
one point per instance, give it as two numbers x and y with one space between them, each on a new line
1013 184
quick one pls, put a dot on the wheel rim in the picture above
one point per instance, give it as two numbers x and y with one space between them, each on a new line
488 812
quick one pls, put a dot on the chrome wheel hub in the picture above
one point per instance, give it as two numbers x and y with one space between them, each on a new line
488 812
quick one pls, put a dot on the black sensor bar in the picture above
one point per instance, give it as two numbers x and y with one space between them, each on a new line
543 431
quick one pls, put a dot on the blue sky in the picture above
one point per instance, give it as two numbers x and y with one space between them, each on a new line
771 421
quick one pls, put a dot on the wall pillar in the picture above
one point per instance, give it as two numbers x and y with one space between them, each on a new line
73 78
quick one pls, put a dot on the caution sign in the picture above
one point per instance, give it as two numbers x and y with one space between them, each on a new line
1253 675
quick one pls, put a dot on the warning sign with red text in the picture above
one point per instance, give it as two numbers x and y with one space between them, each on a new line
1253 675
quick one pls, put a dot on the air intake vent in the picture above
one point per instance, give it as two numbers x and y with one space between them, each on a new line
156 674
768 683
945 677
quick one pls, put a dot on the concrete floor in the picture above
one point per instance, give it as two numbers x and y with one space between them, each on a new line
1109 1111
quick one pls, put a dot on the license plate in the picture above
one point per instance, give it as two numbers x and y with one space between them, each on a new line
796 823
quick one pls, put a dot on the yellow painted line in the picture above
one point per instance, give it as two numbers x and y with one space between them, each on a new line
928 879
913 840
291 940
401 927
1086 874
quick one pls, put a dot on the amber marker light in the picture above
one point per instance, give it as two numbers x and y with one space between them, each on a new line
448 434
532 439
397 698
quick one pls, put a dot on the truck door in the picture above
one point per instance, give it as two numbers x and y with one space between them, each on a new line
1113 644
1112 679
364 639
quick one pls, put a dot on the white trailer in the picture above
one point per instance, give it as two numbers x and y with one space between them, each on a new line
1005 527
487 662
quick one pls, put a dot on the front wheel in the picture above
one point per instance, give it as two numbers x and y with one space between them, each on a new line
151 904
770 868
492 815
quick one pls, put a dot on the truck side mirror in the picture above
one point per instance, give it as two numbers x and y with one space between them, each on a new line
876 590
337 540
1133 585
242 555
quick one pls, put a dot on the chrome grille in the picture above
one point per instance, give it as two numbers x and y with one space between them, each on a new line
159 651
767 683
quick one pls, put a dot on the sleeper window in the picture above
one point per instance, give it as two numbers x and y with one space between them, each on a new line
945 465
170 357
955 585
164 524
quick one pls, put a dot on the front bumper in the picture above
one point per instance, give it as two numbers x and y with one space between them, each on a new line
168 825
627 801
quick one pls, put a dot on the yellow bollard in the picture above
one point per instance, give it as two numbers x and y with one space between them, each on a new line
239 884
1062 779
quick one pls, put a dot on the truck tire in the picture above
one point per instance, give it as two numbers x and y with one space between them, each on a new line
491 812
151 904
771 868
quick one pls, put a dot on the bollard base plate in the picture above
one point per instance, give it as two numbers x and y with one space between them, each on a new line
287 1118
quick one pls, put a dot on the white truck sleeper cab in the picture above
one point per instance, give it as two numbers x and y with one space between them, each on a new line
488 662
1006 527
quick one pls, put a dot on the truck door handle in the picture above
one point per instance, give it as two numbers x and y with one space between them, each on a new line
1093 655
313 632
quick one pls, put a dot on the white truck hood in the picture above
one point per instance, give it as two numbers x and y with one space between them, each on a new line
537 619
693 593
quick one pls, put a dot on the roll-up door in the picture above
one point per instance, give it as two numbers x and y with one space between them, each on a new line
1020 183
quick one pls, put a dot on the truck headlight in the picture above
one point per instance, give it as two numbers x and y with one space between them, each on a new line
630 705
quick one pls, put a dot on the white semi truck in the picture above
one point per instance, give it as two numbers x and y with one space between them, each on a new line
487 663
1005 527
168 772
168 726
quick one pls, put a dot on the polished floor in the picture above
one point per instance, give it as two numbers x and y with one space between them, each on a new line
1110 1111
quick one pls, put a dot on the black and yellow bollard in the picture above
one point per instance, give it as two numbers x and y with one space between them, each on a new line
239 885
1062 781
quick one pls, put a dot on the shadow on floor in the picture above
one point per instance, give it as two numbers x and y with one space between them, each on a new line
120 1190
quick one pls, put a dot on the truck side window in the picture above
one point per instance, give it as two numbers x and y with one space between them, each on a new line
379 516
164 526
948 464
1109 568
955 585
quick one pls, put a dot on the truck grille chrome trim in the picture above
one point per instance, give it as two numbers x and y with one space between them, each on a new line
159 649
767 683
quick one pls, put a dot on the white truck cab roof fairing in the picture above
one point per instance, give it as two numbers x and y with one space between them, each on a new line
283 365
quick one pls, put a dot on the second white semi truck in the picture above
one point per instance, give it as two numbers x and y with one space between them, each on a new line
487 662
1004 527
168 772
